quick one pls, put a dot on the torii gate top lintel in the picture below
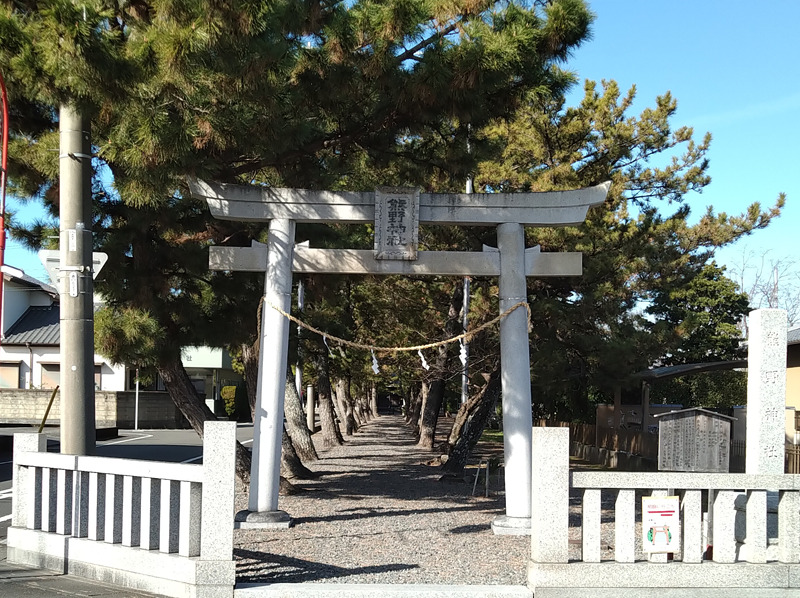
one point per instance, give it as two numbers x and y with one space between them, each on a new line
249 203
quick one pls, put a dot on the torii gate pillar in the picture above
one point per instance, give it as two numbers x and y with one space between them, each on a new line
516 382
274 347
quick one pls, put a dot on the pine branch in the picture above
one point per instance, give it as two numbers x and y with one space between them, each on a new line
411 52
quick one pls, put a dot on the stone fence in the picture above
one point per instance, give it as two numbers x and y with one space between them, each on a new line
165 528
753 567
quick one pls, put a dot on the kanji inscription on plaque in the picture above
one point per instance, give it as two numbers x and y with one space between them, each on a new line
396 223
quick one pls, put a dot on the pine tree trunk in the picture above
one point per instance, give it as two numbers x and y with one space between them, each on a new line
296 422
291 465
358 413
345 401
339 408
417 401
469 424
362 400
331 436
250 363
424 391
373 399
441 369
408 405
194 409
430 414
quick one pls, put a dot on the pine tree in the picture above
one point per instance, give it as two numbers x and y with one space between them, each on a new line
279 93
591 333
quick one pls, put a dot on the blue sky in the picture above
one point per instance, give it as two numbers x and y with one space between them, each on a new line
734 68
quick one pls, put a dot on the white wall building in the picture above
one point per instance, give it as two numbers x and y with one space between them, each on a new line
29 348
30 353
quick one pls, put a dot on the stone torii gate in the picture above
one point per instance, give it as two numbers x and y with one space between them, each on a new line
397 212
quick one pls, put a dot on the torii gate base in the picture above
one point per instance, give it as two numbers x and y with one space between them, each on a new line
511 262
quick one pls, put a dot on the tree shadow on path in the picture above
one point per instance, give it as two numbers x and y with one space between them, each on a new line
381 513
264 567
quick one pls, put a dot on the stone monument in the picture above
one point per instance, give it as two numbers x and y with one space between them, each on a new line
766 435
766 391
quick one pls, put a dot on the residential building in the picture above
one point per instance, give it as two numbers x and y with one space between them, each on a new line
30 350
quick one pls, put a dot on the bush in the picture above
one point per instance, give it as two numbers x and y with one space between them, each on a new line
228 395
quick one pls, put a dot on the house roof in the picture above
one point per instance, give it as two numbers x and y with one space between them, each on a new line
30 281
694 410
793 336
37 326
673 371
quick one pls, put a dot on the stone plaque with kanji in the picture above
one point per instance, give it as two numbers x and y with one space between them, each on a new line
396 223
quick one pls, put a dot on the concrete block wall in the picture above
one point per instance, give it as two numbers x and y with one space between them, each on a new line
21 406
156 410
112 409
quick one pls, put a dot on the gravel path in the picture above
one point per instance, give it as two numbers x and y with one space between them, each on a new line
380 514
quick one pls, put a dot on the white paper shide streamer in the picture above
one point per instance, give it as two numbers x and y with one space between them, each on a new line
375 367
424 361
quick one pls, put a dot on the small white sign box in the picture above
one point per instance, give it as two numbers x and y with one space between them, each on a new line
661 524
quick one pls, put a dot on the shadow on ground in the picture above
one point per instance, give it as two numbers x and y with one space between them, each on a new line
263 567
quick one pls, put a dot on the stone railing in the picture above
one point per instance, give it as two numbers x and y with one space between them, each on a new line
738 501
161 527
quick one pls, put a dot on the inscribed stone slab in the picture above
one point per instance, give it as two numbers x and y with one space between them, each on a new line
766 391
396 223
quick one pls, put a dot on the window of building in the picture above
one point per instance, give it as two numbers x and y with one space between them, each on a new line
51 375
9 375
200 386
156 384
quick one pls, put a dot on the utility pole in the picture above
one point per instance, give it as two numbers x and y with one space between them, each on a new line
75 284
3 180
298 372
465 323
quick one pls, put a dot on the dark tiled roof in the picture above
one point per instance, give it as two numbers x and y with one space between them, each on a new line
37 326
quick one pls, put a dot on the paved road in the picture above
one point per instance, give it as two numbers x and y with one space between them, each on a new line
177 446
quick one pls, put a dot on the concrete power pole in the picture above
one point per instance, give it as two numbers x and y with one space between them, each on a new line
75 284
465 323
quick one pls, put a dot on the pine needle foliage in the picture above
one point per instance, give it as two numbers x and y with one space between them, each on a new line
650 293
312 94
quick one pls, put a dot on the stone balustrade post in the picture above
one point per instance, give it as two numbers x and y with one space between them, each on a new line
550 495
23 500
219 467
